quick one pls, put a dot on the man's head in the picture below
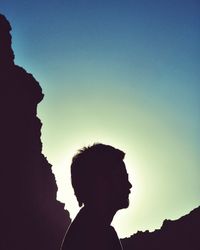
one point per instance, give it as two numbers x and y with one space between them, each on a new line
99 174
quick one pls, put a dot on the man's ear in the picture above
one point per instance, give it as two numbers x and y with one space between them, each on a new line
103 184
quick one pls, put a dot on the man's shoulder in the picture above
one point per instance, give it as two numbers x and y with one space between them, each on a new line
87 234
79 234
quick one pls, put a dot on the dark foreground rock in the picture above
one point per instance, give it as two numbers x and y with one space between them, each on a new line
30 217
181 234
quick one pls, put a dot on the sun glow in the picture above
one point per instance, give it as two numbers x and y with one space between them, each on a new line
65 191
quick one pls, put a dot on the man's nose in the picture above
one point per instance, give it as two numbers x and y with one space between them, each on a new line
129 185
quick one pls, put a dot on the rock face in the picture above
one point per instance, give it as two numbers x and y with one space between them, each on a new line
181 234
31 218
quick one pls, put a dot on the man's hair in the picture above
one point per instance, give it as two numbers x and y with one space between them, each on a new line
90 162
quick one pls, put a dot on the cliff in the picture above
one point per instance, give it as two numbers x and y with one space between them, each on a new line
181 234
31 217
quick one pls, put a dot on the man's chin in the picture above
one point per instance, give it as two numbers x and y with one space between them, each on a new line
124 204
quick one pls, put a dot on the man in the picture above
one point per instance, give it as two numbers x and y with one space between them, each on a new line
101 184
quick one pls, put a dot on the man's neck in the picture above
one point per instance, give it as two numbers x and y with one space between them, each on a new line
102 215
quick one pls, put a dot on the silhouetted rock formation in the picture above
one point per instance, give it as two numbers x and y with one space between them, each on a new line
31 217
181 234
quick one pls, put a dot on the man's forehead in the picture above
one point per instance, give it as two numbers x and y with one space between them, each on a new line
110 168
121 168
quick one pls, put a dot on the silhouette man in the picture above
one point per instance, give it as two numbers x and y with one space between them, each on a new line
101 184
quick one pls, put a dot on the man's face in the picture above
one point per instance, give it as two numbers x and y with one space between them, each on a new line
112 188
120 187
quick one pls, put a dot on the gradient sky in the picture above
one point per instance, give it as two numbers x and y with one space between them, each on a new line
125 73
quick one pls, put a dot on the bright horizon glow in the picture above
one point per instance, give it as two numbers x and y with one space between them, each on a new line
124 73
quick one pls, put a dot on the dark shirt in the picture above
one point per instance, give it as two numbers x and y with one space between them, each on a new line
88 233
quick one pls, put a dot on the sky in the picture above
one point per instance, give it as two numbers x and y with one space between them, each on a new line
124 73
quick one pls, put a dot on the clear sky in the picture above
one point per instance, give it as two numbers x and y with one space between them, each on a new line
125 73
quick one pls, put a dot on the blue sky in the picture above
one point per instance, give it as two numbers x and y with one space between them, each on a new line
124 73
